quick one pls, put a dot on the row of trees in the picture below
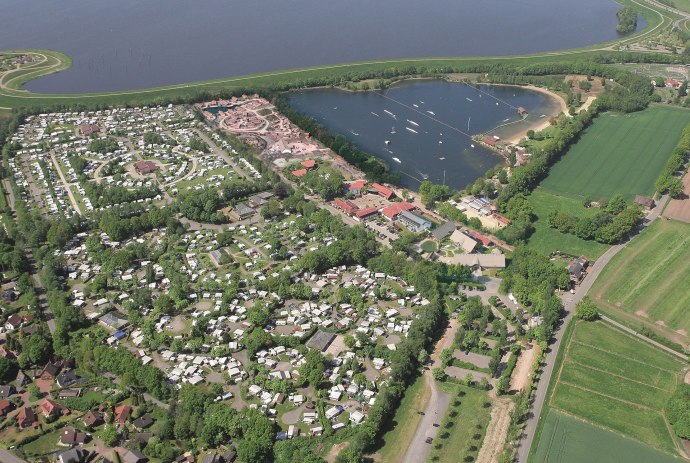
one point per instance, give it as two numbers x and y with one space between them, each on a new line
668 181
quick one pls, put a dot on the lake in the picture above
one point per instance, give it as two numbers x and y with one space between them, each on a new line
428 124
130 44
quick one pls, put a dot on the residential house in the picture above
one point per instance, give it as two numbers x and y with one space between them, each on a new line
91 419
143 422
51 408
122 414
7 391
13 322
5 407
75 455
70 437
26 418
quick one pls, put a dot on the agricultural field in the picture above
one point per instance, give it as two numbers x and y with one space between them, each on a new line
547 240
615 381
619 154
648 280
569 440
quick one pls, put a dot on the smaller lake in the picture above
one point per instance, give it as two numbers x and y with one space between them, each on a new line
428 124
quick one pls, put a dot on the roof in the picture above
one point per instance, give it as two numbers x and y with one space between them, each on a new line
484 240
309 163
394 209
481 260
143 422
243 209
414 218
356 185
465 242
382 190
299 172
443 230
146 166
346 206
321 340
644 201
366 212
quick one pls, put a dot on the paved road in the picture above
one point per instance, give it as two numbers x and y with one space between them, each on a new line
7 457
40 292
569 302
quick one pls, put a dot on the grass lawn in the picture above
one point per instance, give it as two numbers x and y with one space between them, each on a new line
611 379
547 240
649 279
43 445
401 430
428 246
464 424
619 154
566 439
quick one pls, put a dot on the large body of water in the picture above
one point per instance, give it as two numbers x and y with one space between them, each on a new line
134 44
430 119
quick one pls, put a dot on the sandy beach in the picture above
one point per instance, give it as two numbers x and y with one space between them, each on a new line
541 123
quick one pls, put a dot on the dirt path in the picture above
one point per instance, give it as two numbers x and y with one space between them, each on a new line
522 371
497 431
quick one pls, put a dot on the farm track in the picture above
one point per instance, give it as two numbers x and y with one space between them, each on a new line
600 370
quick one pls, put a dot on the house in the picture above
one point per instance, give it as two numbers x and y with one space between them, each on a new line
463 241
143 422
146 167
22 379
51 408
321 340
671 83
133 456
364 213
122 414
27 418
356 187
92 419
5 407
76 455
113 320
212 457
382 191
243 211
70 437
219 256
8 296
7 391
647 203
13 322
490 141
414 222
67 378
51 370
346 206
443 230
87 129
299 172
480 261
577 268
392 211
229 455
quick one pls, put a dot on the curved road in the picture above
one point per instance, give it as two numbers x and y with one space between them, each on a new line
569 302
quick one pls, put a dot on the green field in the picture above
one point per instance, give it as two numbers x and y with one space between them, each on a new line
547 240
649 279
619 154
566 439
462 429
616 381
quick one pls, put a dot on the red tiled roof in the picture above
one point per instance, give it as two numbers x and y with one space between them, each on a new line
308 164
366 212
357 185
395 209
346 206
299 172
382 190
485 241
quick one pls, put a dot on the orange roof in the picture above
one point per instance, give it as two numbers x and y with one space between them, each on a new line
395 209
366 212
309 163
357 185
299 172
382 190
346 206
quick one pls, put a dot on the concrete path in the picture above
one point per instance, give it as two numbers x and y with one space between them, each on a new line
7 457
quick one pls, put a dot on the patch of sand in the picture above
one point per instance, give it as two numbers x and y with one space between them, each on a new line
523 368
496 432
641 313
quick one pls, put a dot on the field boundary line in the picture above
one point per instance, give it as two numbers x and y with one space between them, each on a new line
614 431
643 407
624 357
674 439
619 376
631 333
563 362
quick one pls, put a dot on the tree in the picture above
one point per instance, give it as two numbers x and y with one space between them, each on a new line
36 350
439 374
586 310
8 370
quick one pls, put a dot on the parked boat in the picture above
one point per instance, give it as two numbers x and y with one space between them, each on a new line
375 114
397 160
468 99
387 142
393 129
411 130
431 112
413 123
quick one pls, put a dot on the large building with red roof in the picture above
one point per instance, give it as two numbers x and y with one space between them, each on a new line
364 213
346 206
393 210
383 191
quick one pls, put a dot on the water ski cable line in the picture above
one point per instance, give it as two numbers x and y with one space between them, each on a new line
426 115
490 96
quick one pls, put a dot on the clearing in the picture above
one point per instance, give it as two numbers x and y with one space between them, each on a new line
547 240
619 154
679 209
648 281
618 382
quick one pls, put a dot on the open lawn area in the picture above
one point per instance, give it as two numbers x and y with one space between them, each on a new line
649 280
464 426
614 380
547 240
404 424
565 439
619 153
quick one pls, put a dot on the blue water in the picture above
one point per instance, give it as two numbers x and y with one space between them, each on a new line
362 118
133 44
